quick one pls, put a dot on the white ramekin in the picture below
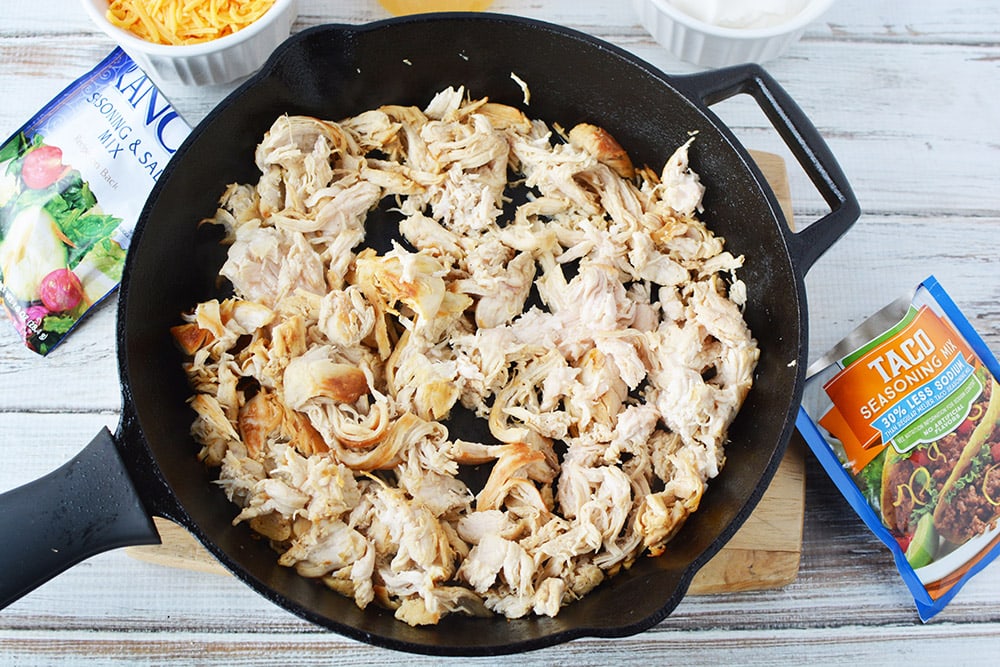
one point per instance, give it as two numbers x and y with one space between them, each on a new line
707 45
219 61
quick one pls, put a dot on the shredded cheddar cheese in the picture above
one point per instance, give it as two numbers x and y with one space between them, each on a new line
934 453
180 22
919 496
993 469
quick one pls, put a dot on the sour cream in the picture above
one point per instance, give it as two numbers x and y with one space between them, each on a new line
741 14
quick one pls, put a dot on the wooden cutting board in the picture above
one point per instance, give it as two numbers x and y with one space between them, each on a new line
763 554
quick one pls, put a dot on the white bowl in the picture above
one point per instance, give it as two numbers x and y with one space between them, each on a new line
219 61
707 45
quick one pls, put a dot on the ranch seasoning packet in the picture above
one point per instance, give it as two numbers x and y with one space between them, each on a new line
73 181
904 415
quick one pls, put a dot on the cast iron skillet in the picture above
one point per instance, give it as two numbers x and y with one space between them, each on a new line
104 497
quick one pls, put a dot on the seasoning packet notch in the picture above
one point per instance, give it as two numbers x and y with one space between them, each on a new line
73 182
904 415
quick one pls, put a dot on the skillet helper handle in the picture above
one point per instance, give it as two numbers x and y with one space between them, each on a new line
805 143
83 508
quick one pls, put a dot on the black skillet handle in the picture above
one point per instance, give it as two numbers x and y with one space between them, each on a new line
805 143
87 506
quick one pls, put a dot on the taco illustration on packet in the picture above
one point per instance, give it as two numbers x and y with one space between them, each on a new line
911 486
969 502
915 485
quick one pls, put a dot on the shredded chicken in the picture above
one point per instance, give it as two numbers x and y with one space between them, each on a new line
596 328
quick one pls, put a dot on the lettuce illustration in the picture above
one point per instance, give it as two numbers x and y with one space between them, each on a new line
100 270
74 208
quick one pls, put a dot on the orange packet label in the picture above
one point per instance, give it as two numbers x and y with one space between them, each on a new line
910 386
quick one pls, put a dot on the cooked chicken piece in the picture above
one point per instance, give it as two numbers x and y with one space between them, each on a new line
297 158
266 264
389 447
355 580
419 381
487 560
238 205
438 602
329 546
505 117
396 180
621 200
315 376
344 426
474 526
273 526
530 231
506 421
447 103
681 188
467 146
415 280
662 514
599 143
427 234
440 492
371 129
245 317
239 475
345 317
502 292
212 429
272 495
408 147
633 429
332 210
259 420
552 169
190 337
467 203
515 463
652 265
599 391
208 316
418 556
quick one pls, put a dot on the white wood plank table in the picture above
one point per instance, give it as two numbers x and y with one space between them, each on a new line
907 95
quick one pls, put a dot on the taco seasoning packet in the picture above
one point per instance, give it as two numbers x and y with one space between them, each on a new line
73 181
904 415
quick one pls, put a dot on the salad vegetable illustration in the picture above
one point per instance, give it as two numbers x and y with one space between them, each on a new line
57 254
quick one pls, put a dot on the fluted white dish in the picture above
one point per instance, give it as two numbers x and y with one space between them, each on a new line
218 61
708 45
